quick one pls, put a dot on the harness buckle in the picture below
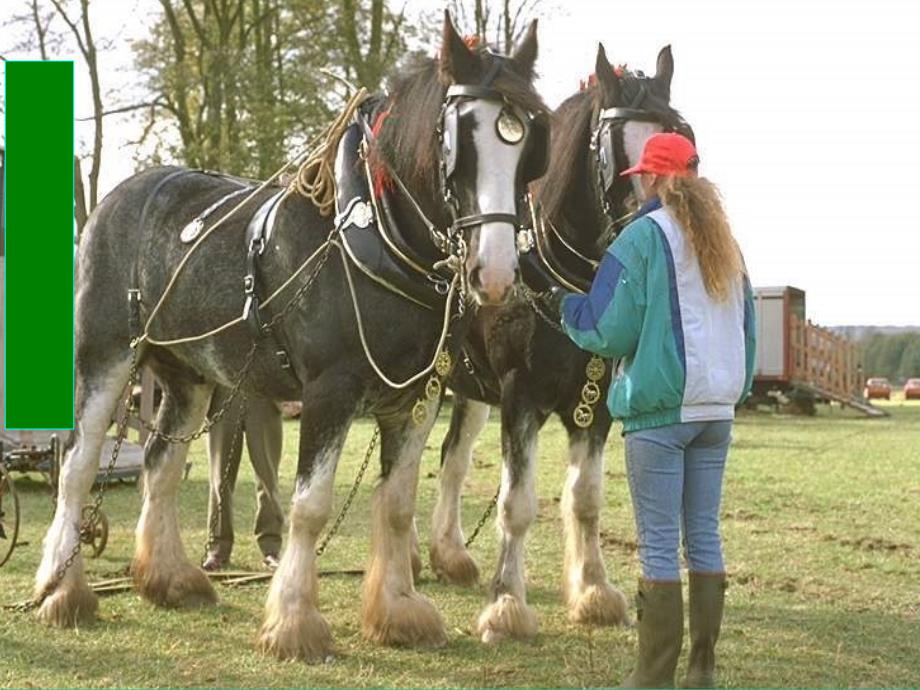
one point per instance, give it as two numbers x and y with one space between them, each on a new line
441 285
257 245
249 285
283 358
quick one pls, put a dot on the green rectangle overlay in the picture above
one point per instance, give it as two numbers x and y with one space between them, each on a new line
39 226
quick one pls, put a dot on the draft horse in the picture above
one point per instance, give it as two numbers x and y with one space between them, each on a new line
517 361
456 206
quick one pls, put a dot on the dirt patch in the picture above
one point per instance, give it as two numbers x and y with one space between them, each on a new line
869 543
618 542
740 514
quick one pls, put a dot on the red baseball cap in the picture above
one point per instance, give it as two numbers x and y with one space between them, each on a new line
666 153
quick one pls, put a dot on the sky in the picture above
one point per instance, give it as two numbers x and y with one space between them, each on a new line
806 115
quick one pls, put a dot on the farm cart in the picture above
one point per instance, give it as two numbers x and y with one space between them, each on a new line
802 360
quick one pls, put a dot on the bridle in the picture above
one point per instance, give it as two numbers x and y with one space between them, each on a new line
608 149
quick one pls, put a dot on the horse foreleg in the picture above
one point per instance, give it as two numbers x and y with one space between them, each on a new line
161 569
394 613
447 552
590 598
508 614
292 626
69 601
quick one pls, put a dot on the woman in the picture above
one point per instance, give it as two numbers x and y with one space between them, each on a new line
672 301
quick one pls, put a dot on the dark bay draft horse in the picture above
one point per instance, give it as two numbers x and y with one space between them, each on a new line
518 362
467 119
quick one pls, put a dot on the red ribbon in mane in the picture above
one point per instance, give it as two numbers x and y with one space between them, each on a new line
382 179
585 84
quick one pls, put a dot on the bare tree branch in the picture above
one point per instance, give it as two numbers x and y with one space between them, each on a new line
158 101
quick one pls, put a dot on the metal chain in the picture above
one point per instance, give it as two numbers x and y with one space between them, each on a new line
351 494
36 601
485 517
122 432
532 298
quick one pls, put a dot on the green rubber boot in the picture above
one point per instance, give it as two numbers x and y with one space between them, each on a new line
707 601
661 630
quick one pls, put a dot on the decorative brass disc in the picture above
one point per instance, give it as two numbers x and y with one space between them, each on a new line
420 412
590 393
583 415
509 127
432 388
443 364
595 368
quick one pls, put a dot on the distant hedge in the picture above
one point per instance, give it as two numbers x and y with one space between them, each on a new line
894 356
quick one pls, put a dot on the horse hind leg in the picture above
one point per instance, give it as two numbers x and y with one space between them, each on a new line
508 615
70 601
394 613
591 599
447 552
161 570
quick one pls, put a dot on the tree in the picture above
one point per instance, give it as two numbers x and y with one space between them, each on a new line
909 366
500 22
368 61
237 80
81 29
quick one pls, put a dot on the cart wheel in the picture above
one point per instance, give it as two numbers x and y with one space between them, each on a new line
9 515
94 534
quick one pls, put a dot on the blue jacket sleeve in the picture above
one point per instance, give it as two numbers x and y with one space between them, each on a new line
608 320
750 338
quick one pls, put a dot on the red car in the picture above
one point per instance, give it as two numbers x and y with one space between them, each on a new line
877 388
912 389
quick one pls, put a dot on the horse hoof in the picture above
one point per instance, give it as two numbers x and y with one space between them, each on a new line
69 606
454 566
507 617
302 636
409 620
182 587
600 604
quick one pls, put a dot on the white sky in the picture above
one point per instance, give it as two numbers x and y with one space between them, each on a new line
806 114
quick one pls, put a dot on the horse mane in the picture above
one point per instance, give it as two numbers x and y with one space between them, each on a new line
407 141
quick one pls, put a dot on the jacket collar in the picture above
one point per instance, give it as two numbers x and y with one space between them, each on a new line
652 204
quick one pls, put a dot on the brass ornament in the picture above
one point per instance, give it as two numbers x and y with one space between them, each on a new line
433 388
590 393
443 364
509 127
595 368
419 412
583 415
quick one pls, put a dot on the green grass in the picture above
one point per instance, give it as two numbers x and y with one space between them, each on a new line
822 540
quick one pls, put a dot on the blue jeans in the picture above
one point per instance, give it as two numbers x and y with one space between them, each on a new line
675 478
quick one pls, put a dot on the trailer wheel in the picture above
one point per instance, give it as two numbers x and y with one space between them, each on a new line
9 515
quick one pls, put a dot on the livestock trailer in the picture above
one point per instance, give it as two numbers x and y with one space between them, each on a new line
795 355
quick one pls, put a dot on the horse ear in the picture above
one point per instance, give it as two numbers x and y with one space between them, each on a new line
665 70
606 79
458 63
525 52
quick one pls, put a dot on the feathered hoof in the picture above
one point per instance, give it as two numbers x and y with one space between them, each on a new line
181 587
600 604
507 617
69 606
409 620
454 565
305 637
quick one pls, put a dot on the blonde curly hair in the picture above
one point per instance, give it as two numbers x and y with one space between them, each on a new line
696 203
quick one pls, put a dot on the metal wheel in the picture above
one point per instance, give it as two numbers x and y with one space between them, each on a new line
94 534
9 515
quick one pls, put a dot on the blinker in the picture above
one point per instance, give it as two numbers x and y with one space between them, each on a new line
509 127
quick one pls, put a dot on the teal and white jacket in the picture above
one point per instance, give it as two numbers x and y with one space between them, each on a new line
685 357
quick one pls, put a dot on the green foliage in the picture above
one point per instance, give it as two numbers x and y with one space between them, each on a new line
894 356
821 544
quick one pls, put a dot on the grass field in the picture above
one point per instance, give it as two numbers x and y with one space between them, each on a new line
822 540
